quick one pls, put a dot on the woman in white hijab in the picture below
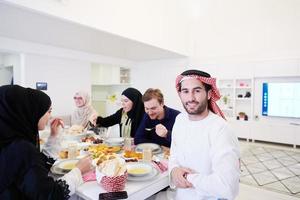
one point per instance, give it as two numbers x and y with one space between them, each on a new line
84 109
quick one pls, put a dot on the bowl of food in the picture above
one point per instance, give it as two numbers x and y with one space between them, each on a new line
139 169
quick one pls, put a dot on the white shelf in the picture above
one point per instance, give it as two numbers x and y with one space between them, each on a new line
227 109
107 81
106 75
221 88
243 99
243 88
231 88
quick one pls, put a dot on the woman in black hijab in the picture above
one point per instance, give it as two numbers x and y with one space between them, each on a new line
24 170
128 117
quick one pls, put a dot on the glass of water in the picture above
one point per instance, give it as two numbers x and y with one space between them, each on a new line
72 150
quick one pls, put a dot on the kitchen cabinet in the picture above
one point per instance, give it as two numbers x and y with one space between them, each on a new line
108 82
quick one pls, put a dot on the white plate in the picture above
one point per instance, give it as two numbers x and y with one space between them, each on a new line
77 136
150 176
115 141
139 169
57 171
68 164
64 166
155 147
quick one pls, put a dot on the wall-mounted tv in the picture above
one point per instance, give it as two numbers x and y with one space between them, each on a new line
281 99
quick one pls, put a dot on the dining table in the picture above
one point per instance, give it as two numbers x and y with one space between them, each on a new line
136 190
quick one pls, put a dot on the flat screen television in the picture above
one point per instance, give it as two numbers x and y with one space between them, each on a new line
281 99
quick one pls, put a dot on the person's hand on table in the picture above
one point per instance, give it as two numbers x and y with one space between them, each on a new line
178 175
161 130
55 125
85 164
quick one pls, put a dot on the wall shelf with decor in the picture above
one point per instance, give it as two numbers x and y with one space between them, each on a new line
244 99
237 104
236 98
226 103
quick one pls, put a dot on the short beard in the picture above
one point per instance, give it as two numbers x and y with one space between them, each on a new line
201 108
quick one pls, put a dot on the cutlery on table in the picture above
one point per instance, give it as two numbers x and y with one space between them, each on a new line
159 164
149 129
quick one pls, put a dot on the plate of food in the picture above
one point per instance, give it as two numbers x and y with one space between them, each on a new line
100 149
132 154
76 132
139 169
64 166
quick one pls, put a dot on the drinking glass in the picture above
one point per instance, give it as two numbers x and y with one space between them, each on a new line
127 143
147 154
72 150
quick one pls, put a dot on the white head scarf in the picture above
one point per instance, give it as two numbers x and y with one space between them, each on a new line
82 114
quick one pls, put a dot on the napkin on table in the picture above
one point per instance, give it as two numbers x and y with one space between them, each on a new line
90 176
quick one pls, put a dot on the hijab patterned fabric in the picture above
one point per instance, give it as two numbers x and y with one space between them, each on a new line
20 111
82 114
215 94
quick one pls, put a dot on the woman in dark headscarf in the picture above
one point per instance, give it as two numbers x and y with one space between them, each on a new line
23 168
128 117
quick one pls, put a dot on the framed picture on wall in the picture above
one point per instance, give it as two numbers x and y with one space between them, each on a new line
41 85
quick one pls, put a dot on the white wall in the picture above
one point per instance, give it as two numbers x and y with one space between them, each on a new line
63 76
162 23
251 29
160 74
18 47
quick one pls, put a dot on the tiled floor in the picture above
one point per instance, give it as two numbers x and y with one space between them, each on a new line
271 167
255 193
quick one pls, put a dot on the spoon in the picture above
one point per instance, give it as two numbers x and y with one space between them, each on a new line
149 129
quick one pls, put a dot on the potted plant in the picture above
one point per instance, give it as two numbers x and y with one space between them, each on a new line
225 99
